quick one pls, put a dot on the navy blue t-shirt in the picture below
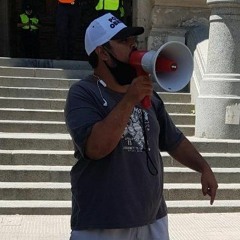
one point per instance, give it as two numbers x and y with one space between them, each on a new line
125 188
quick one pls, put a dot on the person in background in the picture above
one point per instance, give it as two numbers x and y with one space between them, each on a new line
28 23
117 182
114 7
67 27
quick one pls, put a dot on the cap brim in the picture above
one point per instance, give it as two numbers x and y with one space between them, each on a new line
128 32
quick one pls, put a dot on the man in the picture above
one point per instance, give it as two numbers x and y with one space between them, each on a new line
29 23
67 28
117 182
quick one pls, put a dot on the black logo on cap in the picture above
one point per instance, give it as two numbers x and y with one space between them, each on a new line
114 22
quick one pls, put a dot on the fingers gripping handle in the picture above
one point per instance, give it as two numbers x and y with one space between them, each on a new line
135 61
146 102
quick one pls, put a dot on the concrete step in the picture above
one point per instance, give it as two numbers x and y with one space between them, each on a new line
27 92
47 157
191 206
57 115
44 141
64 207
16 126
35 141
35 173
191 191
175 97
32 103
35 157
215 145
66 158
61 92
35 191
62 191
187 108
32 126
31 114
35 82
216 160
188 130
58 104
183 118
43 63
44 72
186 175
35 207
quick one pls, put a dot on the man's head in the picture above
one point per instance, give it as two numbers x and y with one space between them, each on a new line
106 28
28 9
109 39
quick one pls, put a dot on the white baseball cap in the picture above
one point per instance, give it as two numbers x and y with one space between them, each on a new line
105 28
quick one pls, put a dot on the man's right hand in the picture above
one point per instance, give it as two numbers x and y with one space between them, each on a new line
140 87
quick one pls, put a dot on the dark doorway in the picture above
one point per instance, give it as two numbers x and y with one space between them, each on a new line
46 10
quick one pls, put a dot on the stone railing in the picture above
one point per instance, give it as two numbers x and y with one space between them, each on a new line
197 41
218 105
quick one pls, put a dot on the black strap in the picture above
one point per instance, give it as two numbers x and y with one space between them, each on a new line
150 164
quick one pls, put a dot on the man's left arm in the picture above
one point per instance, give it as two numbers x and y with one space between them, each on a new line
187 154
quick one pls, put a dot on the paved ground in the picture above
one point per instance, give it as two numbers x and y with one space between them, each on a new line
223 226
212 226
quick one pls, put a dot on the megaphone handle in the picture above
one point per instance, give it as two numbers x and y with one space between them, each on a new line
146 102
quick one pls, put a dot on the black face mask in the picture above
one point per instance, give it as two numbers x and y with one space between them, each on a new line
124 73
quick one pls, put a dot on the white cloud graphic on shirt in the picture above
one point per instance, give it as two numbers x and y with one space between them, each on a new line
133 134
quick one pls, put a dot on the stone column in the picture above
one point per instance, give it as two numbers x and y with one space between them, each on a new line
4 29
218 105
141 17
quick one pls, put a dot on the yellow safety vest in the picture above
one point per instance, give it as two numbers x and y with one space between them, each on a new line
25 19
111 5
67 1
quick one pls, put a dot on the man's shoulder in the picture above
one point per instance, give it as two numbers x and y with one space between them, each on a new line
84 84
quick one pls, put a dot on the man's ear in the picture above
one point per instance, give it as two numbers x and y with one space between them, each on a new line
102 53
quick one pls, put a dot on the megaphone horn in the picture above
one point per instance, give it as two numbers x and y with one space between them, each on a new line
171 66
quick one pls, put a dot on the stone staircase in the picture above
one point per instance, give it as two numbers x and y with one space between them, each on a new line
36 151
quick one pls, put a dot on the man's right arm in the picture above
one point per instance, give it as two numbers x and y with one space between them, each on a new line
106 134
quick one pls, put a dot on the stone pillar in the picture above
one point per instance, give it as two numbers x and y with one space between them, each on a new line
4 29
218 105
141 17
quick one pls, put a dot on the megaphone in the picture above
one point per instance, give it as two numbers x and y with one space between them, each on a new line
171 66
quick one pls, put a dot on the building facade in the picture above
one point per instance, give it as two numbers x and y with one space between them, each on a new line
163 20
210 28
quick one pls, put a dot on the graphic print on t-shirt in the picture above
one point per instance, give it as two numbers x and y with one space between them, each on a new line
133 138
